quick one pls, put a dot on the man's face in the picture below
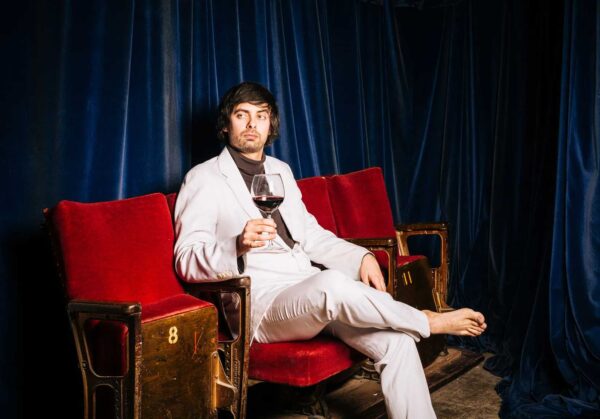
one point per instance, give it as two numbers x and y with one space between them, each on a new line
249 127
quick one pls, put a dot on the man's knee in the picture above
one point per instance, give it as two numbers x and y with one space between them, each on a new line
335 289
332 281
393 344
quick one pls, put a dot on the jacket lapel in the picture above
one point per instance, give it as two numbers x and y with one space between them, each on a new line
236 183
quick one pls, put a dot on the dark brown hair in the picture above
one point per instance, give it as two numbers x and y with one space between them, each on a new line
249 92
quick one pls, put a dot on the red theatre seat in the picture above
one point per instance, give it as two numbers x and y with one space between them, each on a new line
145 347
315 196
363 214
117 265
302 364
362 195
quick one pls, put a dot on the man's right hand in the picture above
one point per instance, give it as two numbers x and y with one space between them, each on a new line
256 233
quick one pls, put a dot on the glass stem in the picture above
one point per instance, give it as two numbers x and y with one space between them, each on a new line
269 243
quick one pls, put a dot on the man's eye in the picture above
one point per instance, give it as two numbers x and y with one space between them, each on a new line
262 117
240 115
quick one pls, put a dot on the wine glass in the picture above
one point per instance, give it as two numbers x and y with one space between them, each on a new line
267 193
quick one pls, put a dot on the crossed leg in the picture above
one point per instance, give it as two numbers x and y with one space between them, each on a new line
372 322
397 361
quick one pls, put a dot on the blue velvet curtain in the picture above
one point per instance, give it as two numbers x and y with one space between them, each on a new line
559 372
459 102
110 99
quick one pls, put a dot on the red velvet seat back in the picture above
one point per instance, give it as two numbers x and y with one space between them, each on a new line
117 250
360 204
316 198
171 199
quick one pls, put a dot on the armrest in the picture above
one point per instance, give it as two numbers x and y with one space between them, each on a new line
374 242
228 285
387 244
235 352
239 285
441 273
423 228
104 307
404 231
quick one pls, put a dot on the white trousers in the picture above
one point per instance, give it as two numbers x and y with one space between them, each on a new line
370 321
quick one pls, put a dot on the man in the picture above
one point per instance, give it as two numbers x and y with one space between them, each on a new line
221 233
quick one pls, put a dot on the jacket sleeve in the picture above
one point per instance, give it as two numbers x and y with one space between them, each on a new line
324 247
199 256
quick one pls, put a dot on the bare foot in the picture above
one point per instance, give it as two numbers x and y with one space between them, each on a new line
462 322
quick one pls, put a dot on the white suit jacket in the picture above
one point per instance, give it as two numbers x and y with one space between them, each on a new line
212 209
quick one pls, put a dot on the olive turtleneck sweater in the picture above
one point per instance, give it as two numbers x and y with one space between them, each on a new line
248 168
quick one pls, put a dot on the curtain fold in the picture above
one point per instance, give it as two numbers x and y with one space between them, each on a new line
559 373
478 154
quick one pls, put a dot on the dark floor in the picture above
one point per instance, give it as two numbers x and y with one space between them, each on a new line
471 395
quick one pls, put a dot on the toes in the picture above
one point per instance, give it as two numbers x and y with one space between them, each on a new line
472 331
475 316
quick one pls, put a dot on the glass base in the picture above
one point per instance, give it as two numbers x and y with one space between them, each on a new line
270 247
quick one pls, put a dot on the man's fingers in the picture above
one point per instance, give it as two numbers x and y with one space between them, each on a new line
263 222
374 281
370 273
254 243
258 230
379 284
256 233
265 236
265 229
259 227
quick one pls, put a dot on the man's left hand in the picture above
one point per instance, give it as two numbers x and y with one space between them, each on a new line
370 272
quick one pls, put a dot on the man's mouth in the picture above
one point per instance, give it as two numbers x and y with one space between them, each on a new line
251 135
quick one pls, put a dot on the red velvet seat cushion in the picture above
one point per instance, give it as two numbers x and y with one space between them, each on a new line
316 198
403 260
172 306
117 250
301 363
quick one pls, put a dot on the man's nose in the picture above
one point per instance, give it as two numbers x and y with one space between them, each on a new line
251 122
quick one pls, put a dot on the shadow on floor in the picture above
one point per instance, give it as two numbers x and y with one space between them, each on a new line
471 395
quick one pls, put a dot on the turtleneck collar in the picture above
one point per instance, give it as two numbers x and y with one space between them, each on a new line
249 166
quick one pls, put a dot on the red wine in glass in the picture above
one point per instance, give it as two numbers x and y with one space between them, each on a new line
267 193
268 204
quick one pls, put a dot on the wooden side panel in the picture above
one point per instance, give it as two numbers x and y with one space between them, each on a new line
176 375
414 285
